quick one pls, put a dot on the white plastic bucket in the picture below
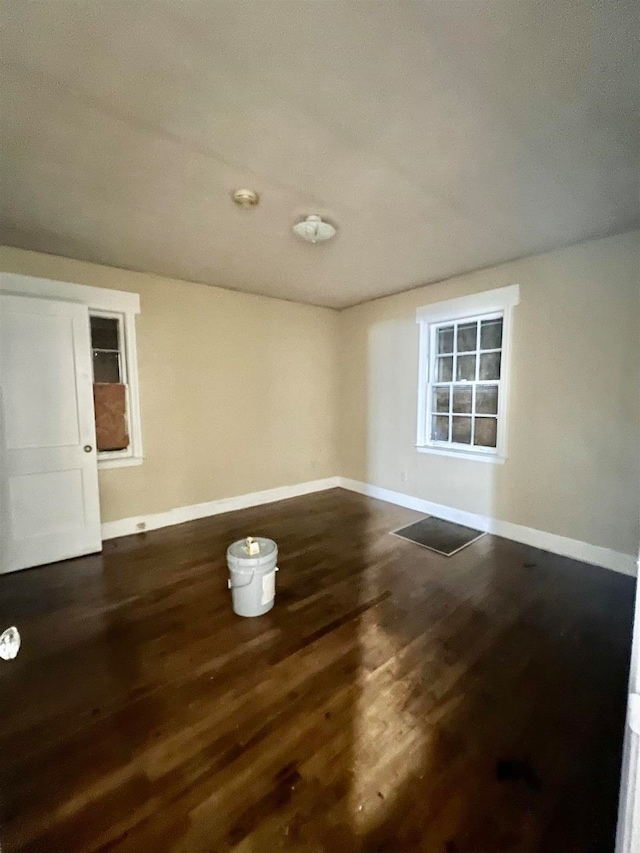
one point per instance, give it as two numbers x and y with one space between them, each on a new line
252 575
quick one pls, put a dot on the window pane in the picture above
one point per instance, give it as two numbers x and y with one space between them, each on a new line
462 398
104 333
106 367
461 430
440 428
445 339
466 368
491 334
487 399
467 337
490 365
441 399
486 431
444 370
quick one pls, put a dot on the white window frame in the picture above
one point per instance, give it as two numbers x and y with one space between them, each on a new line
131 455
119 304
497 303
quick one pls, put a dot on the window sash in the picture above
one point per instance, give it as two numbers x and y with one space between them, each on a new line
123 362
433 383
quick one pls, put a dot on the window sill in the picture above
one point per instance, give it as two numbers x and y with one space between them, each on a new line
123 462
461 454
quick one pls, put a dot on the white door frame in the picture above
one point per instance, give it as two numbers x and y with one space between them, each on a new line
628 834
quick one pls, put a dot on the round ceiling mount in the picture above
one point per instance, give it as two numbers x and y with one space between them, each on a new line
245 198
314 229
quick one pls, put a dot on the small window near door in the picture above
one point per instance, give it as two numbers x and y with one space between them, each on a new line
110 391
105 343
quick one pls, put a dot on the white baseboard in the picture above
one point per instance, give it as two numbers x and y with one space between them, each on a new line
127 526
574 548
618 562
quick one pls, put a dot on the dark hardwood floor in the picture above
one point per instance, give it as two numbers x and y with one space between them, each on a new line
393 700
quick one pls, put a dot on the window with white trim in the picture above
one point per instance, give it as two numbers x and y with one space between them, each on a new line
463 375
117 408
111 392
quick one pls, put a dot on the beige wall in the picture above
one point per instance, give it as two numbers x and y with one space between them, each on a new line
574 419
238 392
241 393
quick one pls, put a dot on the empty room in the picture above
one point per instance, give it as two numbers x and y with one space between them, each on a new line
319 426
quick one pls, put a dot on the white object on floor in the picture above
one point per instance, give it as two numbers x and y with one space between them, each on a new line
252 575
9 643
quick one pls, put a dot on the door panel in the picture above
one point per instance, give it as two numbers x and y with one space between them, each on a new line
35 505
50 483
38 351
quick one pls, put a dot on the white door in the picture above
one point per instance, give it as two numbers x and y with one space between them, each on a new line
49 502
628 837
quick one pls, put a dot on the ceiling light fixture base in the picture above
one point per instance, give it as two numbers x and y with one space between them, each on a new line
245 198
313 229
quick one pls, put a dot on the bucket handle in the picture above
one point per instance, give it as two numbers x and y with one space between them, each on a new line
242 585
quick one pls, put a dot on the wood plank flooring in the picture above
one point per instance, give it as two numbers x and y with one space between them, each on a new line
393 700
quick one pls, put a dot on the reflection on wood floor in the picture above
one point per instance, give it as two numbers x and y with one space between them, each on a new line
393 700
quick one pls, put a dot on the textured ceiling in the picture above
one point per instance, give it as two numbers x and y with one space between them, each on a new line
439 136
